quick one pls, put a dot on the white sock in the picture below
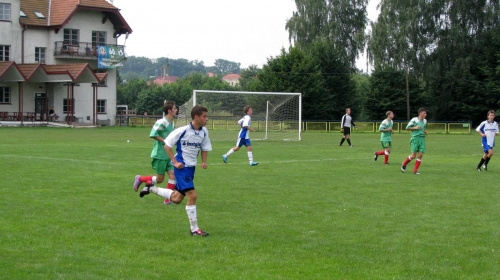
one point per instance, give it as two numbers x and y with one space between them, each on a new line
230 152
386 152
165 193
193 219
250 157
153 180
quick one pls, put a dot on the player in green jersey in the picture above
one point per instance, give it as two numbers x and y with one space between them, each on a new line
161 162
417 126
385 137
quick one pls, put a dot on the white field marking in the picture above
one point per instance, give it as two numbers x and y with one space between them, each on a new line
211 160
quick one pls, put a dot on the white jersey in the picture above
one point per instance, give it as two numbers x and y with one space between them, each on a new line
490 129
347 121
245 121
189 143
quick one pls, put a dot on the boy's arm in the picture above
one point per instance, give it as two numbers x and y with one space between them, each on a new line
204 155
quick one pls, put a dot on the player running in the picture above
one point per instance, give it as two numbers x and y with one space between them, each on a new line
189 141
243 137
161 162
488 130
385 137
417 126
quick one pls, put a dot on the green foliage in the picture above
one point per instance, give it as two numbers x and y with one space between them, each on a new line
309 210
342 23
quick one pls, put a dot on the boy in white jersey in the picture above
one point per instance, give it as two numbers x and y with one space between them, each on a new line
417 126
488 130
385 137
189 141
161 162
346 127
243 137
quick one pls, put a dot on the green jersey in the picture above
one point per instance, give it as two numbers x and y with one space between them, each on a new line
385 136
417 132
161 128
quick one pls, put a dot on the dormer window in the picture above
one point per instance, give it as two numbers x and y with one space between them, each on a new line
39 14
22 14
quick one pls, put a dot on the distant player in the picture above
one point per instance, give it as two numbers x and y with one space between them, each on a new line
417 126
243 137
488 130
161 162
385 137
189 140
346 125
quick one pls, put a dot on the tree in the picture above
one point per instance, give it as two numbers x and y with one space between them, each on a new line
227 67
339 22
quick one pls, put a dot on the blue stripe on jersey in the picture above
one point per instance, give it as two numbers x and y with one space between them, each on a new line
179 155
243 133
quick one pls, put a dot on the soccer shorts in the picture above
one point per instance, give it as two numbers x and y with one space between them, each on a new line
161 165
486 148
241 141
417 145
184 177
347 130
386 144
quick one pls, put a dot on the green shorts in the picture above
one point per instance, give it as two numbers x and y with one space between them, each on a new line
417 145
386 144
162 165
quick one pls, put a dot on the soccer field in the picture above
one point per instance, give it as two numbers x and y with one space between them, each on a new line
309 210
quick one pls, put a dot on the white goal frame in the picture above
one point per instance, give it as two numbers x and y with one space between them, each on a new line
267 106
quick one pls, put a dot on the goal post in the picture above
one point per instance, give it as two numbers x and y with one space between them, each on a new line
276 115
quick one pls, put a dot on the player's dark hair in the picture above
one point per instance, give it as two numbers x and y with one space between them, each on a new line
246 109
491 112
421 110
198 110
168 106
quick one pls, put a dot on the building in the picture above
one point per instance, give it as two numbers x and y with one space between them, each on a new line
161 80
61 54
232 79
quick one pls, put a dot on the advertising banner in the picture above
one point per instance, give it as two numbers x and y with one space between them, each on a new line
110 56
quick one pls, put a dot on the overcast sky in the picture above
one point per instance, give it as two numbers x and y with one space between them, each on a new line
245 31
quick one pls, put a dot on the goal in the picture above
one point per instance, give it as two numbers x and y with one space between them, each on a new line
276 115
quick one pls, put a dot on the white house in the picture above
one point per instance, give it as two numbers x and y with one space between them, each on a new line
49 52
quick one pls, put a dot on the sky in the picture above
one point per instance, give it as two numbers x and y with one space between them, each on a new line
244 31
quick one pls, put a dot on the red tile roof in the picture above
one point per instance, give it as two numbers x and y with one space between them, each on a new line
61 12
77 73
231 77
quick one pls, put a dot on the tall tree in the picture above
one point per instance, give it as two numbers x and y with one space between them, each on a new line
340 22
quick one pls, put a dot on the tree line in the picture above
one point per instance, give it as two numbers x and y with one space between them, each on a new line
442 55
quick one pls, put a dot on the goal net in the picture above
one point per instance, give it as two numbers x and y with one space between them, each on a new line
276 115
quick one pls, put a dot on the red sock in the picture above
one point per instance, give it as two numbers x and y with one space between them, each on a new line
146 179
406 161
417 165
380 153
386 159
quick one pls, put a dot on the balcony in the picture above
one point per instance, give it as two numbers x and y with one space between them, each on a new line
72 50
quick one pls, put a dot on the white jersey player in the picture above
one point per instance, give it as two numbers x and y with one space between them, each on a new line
488 130
243 137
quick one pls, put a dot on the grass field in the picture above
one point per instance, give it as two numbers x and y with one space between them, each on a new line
309 210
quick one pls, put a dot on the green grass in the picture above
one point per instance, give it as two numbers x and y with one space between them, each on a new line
309 210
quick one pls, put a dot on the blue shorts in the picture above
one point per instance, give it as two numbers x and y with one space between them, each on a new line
486 148
241 141
184 177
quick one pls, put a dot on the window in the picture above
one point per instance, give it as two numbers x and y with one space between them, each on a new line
65 105
4 94
4 11
98 38
39 14
101 106
71 36
22 14
4 53
40 55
